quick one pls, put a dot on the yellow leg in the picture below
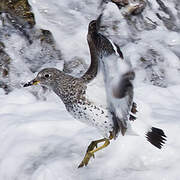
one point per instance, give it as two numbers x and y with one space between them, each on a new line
90 151
94 144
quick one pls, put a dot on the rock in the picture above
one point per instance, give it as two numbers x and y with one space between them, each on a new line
143 38
37 47
42 51
4 62
153 64
4 68
76 66
121 3
170 22
19 12
129 7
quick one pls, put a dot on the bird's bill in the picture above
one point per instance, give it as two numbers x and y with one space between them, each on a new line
31 83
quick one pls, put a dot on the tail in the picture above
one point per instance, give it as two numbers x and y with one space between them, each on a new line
156 137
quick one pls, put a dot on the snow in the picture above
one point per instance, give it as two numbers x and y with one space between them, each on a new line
41 141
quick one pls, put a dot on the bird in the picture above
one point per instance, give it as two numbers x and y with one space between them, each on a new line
120 101
76 93
102 48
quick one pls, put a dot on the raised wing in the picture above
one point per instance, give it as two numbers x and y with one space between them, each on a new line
103 71
118 78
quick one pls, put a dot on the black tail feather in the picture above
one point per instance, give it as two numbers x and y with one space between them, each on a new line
156 137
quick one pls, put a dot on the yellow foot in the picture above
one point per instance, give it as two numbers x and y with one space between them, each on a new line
88 155
86 159
90 151
94 144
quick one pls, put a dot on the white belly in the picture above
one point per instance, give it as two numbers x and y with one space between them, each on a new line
93 116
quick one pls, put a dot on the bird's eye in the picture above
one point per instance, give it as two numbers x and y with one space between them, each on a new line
46 75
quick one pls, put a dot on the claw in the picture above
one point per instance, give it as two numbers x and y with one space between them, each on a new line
91 150
86 159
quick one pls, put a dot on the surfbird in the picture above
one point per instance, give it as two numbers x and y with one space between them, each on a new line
105 54
78 98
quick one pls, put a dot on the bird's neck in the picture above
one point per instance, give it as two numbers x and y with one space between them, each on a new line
93 68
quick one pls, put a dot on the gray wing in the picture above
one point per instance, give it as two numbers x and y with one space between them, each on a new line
118 77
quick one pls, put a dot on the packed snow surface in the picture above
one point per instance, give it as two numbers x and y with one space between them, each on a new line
41 141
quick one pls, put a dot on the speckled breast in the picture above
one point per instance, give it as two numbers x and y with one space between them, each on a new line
90 114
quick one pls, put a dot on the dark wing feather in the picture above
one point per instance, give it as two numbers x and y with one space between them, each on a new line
121 102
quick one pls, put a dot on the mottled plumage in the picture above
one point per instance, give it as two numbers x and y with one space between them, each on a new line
72 92
111 114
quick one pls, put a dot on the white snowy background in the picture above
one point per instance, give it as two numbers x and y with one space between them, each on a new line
39 140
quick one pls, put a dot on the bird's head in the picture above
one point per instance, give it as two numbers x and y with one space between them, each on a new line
46 77
94 25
